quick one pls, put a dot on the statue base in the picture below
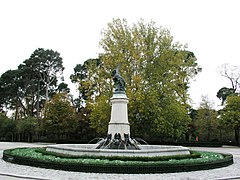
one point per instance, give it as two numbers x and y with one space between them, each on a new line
119 116
119 128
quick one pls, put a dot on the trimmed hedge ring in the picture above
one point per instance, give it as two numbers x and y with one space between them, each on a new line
9 156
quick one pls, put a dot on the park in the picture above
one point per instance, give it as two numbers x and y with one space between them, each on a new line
147 91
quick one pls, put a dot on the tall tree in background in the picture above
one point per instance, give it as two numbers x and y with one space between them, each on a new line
10 96
224 92
230 115
84 76
232 73
49 66
18 92
191 134
206 121
27 127
157 73
60 116
63 88
26 89
7 128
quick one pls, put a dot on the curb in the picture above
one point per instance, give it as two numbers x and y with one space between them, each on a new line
21 176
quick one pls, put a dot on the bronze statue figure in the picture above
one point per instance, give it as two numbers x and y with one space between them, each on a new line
118 80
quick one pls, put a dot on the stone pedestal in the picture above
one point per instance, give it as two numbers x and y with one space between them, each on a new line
119 116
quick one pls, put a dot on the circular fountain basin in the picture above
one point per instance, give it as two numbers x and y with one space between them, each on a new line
144 151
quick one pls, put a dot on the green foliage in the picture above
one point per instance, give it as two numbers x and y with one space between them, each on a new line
12 92
59 115
175 122
185 159
83 76
157 72
100 114
7 127
47 65
192 129
206 121
83 129
27 126
230 114
63 88
224 92
34 157
26 89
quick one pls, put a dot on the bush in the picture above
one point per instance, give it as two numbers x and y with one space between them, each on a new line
39 158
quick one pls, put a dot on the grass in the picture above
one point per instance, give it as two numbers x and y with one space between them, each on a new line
41 158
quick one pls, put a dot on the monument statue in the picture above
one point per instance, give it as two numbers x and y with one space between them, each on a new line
118 80
118 136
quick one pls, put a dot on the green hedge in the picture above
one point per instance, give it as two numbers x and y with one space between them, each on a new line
32 157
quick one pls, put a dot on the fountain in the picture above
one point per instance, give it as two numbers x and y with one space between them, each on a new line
118 141
118 152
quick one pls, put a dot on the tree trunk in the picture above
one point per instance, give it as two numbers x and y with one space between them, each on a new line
208 134
18 137
220 133
12 137
38 95
29 137
237 134
47 87
187 137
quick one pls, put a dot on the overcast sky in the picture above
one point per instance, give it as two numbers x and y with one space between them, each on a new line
211 28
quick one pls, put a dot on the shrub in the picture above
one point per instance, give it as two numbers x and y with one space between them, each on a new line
40 158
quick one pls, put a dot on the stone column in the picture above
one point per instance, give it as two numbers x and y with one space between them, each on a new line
119 116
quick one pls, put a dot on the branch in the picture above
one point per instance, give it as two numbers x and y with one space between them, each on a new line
232 73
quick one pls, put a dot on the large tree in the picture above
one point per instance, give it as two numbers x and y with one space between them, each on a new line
60 116
157 73
83 76
7 128
27 128
26 89
232 73
230 115
206 120
224 92
10 96
48 65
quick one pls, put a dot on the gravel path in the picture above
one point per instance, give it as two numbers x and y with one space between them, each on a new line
10 171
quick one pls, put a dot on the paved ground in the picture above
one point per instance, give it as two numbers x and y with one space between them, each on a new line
10 171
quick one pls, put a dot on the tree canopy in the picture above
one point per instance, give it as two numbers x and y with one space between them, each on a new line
206 120
224 92
47 64
59 115
230 114
232 73
157 72
26 89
